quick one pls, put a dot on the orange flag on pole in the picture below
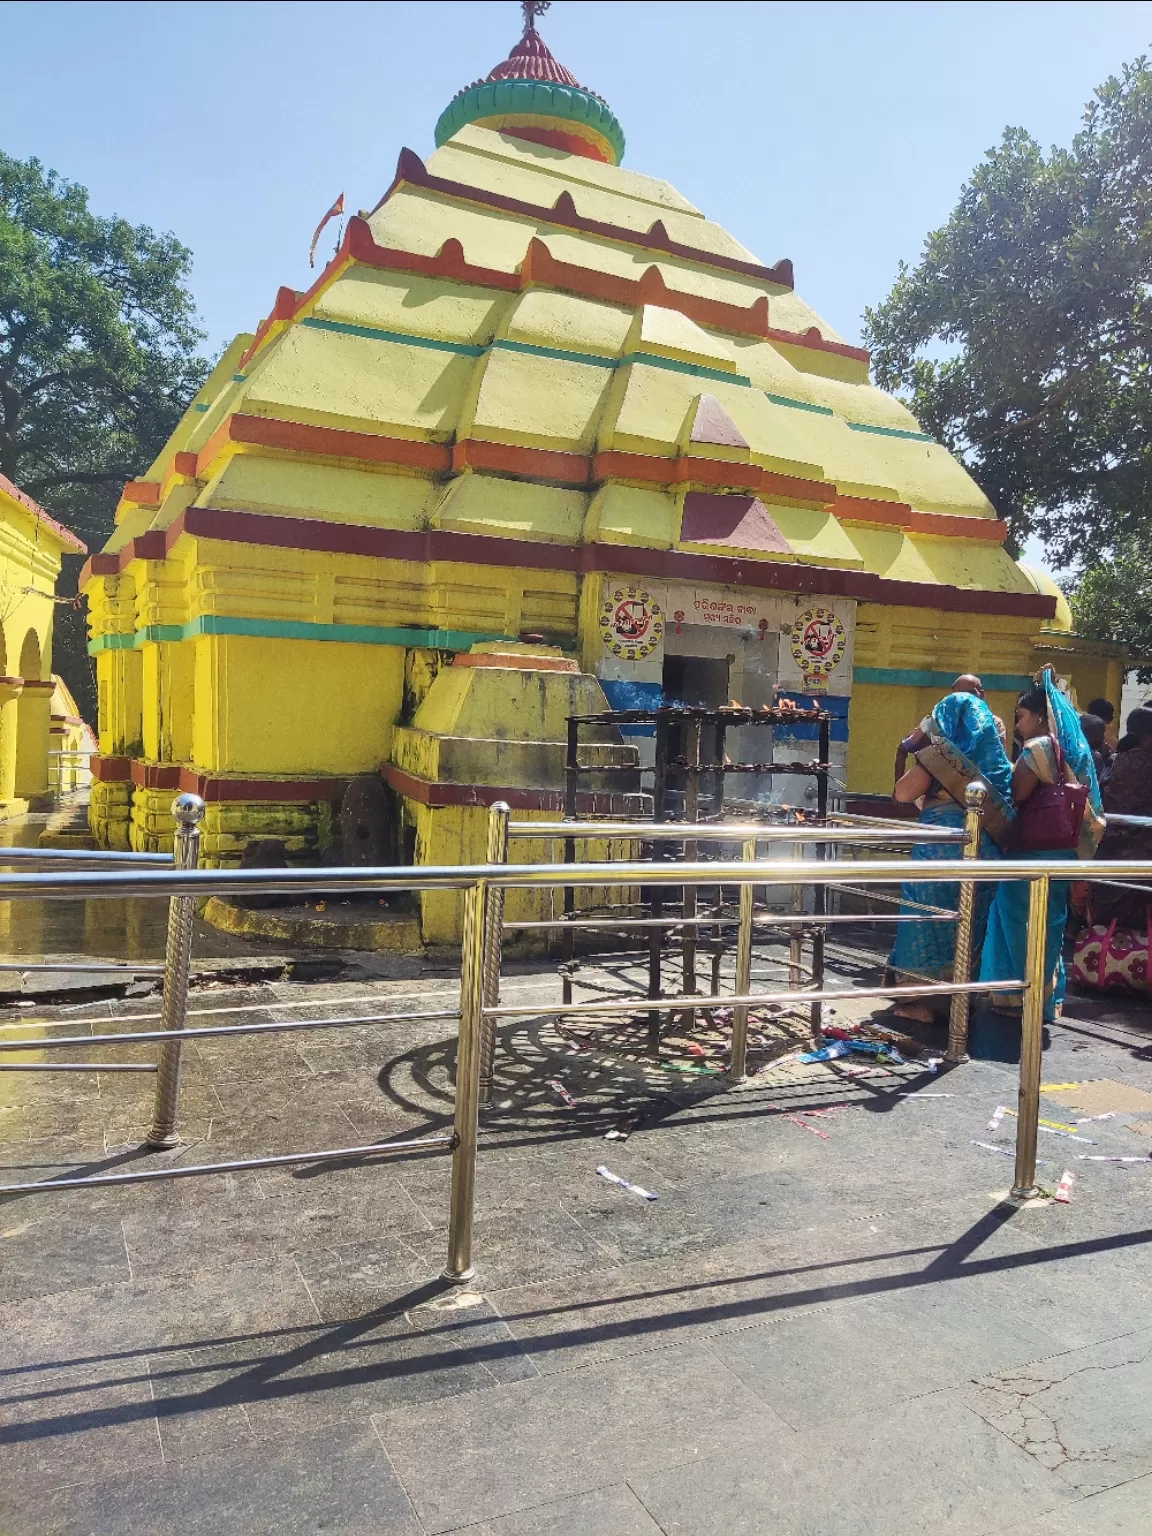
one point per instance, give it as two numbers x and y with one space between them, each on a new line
334 212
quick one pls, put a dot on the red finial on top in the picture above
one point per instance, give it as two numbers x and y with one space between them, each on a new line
531 59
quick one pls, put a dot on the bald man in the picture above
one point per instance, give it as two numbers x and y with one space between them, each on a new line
967 682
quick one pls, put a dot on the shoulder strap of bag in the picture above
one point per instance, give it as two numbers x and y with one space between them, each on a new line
1058 749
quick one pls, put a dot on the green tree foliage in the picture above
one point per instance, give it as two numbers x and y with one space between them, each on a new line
1113 600
98 358
1023 337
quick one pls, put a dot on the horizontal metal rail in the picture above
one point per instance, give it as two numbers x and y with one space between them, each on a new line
1123 820
102 858
724 832
681 1003
214 1031
903 901
761 920
74 1066
83 885
195 1170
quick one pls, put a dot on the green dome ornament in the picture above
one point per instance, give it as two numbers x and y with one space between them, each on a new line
531 96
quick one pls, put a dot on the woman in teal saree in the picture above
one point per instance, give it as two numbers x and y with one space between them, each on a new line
963 748
1053 739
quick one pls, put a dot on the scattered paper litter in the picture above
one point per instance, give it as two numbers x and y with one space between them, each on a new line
633 1189
997 1115
1056 1128
933 1063
803 1124
1084 1119
1099 1157
782 1061
913 1094
1064 1189
1057 1087
1003 1151
559 1089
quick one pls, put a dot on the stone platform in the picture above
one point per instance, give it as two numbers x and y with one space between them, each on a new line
844 1334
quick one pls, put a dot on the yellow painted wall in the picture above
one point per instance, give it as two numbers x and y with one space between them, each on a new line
256 693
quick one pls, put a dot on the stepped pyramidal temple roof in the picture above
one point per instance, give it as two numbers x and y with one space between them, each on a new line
525 340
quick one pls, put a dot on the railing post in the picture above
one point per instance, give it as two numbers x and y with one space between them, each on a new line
459 1267
737 1067
974 797
496 853
795 940
691 813
189 813
1031 1040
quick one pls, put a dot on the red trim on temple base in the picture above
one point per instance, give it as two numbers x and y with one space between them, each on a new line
155 775
112 770
176 777
267 791
515 661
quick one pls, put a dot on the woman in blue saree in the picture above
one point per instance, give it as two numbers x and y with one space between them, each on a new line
963 747
1050 728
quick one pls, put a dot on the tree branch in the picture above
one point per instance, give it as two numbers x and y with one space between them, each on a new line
77 477
1057 397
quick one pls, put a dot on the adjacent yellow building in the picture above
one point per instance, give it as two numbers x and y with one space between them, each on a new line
541 402
31 547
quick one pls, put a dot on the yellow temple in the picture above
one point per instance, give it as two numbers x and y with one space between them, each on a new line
541 436
37 714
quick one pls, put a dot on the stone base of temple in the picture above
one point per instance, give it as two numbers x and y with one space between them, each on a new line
125 815
327 926
110 814
12 808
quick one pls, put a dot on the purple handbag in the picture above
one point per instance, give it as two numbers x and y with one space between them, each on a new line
1049 820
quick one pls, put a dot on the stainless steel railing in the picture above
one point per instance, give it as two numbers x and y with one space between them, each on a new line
88 858
163 1133
853 831
483 885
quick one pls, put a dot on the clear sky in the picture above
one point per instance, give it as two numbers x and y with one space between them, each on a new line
836 134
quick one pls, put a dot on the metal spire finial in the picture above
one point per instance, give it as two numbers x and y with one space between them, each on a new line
532 9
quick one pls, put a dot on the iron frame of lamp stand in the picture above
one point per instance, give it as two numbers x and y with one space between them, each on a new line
857 834
477 882
694 718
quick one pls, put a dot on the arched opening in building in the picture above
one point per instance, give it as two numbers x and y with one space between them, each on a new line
33 712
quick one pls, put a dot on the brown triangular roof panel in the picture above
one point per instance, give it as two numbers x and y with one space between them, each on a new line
738 522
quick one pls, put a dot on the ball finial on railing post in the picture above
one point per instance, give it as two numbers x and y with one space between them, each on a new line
188 810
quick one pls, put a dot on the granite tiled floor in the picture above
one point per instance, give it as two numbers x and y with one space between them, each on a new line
817 1336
